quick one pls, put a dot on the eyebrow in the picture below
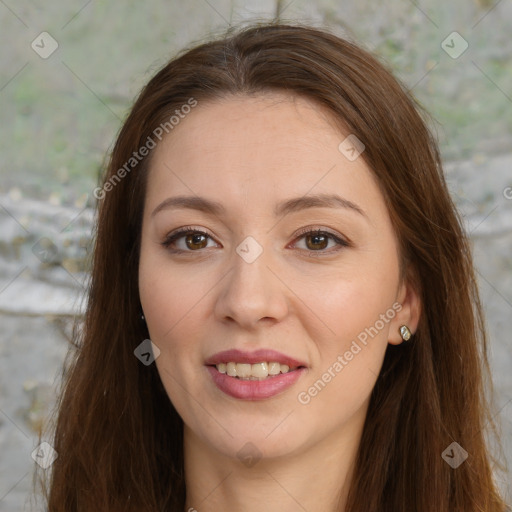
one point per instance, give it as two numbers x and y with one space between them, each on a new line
289 206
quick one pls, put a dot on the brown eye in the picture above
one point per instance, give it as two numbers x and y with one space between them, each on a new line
321 242
187 240
196 241
317 241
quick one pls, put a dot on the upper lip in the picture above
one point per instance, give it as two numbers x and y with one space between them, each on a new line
252 357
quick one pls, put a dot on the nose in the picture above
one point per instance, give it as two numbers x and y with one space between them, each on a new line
252 294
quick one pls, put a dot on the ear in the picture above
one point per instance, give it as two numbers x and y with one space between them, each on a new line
409 313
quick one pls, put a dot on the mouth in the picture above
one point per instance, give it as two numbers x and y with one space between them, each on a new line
254 375
257 371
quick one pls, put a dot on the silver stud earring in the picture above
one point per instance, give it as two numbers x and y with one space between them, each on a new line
405 332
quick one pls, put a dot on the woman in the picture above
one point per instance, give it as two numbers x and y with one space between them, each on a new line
283 312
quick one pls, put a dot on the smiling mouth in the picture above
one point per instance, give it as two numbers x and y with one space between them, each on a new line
257 371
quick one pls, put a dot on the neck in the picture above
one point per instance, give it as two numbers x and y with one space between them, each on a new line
316 479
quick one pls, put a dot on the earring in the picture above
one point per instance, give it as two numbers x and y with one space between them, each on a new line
142 317
405 332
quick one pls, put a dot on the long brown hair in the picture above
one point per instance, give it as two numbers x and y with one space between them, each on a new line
119 438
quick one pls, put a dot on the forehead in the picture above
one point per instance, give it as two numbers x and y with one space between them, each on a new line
219 126
258 148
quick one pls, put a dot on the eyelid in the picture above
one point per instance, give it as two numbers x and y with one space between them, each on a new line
323 230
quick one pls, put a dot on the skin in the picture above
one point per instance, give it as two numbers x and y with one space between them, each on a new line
306 298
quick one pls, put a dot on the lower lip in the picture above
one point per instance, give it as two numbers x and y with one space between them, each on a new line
254 389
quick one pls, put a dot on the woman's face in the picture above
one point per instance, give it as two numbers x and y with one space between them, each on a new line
251 287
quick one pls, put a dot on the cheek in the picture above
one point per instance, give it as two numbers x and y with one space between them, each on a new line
358 319
173 311
169 295
357 309
337 388
350 302
176 304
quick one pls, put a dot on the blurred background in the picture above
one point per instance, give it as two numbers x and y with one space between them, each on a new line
69 72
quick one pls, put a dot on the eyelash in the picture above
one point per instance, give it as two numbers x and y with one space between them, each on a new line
172 237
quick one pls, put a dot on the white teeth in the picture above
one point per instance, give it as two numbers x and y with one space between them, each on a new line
274 368
243 370
257 371
231 369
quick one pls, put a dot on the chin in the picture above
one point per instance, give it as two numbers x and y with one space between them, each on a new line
264 439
